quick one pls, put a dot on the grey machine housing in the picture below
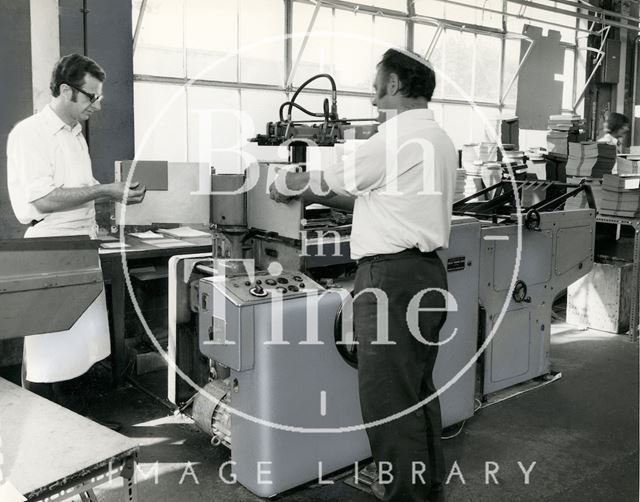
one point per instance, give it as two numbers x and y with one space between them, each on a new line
293 401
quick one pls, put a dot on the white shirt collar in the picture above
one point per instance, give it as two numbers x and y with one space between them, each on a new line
55 123
415 114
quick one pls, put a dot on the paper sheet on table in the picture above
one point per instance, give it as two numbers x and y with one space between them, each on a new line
184 232
113 245
169 243
147 235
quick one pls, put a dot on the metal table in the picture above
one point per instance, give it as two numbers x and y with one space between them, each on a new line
49 452
635 300
137 254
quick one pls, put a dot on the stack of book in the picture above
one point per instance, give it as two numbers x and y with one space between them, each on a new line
628 164
461 179
590 159
564 129
621 195
488 152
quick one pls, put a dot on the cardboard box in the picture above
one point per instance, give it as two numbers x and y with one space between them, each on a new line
602 299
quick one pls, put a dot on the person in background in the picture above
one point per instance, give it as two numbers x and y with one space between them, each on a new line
616 128
52 189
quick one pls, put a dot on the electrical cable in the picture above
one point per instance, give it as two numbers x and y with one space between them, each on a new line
302 109
334 94
457 433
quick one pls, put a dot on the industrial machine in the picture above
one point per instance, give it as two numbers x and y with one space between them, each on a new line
267 309
286 401
539 252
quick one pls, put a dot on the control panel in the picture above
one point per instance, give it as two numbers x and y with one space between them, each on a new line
263 286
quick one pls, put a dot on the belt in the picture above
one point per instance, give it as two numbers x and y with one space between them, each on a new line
405 253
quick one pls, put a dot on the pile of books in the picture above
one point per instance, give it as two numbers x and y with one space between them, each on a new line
590 159
461 179
628 164
474 155
564 129
621 195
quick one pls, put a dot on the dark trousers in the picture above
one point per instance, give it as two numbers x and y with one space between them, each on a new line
393 378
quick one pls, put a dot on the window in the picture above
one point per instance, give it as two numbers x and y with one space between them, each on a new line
160 121
236 51
547 19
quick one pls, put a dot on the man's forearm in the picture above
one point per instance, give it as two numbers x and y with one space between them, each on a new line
316 190
308 186
62 199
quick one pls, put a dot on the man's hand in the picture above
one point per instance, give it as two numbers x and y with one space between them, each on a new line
135 195
278 186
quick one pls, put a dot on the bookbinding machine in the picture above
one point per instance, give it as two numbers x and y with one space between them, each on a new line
262 326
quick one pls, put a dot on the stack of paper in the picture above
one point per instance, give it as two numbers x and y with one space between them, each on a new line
183 232
565 128
149 234
621 195
565 122
487 152
628 164
474 155
473 184
461 179
590 159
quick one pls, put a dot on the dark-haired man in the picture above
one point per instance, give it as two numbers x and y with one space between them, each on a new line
52 189
616 128
402 179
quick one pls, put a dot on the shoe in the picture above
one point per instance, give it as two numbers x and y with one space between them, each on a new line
377 489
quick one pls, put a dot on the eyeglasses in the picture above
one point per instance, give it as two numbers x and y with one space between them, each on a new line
93 98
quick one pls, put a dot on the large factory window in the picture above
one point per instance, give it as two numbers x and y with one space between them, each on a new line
214 127
262 41
318 53
159 49
160 121
510 67
487 68
211 52
237 50
347 44
459 12
547 19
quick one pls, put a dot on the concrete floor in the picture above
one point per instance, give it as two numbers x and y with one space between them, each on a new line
582 432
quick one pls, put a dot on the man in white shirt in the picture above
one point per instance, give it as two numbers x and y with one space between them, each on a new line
52 189
403 181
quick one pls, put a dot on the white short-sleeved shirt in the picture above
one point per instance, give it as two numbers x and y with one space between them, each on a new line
44 153
404 181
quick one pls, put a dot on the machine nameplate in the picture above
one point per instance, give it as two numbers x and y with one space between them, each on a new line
456 263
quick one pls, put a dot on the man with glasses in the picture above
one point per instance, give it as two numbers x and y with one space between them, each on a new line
53 190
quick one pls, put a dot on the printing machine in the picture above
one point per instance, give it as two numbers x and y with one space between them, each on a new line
284 400
529 254
269 310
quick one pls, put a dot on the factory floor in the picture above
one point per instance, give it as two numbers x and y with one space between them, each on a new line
581 431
